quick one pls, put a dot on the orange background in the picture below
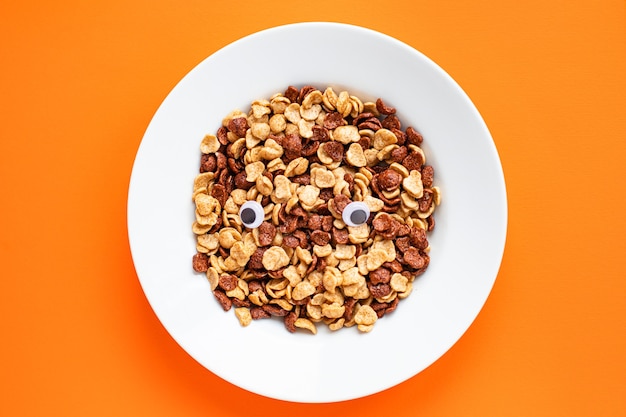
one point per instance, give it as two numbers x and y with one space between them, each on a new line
80 81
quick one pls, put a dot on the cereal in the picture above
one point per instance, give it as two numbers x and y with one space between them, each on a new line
322 178
355 156
365 318
282 189
292 113
243 315
239 254
305 128
308 195
200 262
304 155
413 184
297 166
322 251
333 311
307 324
209 144
344 252
275 258
383 138
264 185
302 290
346 134
270 150
254 170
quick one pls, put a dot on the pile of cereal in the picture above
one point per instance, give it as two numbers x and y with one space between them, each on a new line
313 206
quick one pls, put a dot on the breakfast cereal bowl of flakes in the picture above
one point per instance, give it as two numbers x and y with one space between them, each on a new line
295 203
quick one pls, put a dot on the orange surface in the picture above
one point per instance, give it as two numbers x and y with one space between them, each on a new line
80 82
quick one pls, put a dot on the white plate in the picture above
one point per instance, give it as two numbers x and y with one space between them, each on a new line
467 243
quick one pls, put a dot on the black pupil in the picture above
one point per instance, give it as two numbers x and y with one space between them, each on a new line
248 216
358 217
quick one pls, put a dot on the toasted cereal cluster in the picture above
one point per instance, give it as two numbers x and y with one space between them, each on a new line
313 206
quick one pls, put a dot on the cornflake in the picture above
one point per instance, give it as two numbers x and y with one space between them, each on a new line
305 155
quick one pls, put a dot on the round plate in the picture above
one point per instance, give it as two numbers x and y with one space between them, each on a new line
466 245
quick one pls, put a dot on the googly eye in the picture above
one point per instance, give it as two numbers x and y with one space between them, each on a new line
251 214
355 213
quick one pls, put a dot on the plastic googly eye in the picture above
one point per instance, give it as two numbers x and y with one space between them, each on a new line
251 214
355 213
